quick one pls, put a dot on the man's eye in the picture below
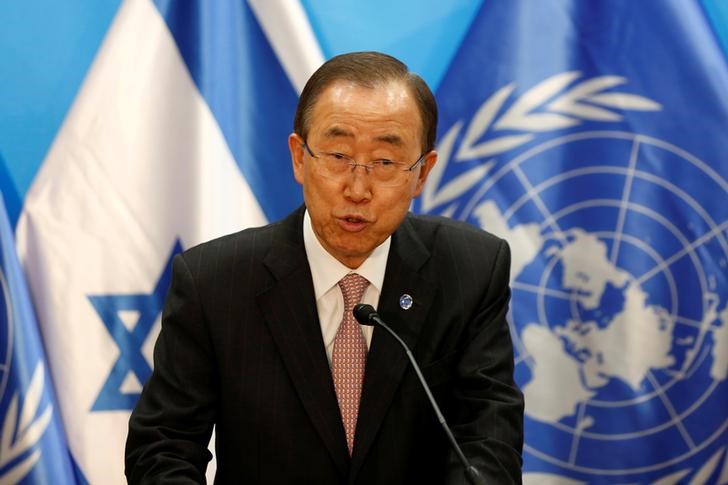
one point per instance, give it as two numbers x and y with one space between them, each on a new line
337 156
385 163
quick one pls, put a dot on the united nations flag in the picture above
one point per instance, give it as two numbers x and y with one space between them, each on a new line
32 444
593 137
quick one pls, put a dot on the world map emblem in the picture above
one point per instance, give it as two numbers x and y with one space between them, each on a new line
619 311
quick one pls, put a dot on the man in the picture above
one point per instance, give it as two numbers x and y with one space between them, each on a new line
257 335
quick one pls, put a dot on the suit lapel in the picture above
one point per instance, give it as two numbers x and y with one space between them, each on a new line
288 306
387 361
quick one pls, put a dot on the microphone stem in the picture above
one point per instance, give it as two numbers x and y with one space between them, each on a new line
471 472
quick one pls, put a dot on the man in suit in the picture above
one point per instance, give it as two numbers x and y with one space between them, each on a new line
257 334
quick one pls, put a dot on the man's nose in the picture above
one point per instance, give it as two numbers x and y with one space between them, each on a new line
358 186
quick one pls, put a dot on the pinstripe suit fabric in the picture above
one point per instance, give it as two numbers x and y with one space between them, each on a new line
241 347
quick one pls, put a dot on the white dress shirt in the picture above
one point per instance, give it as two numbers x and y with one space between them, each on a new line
327 271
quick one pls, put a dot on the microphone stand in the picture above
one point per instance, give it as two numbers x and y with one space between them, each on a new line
371 317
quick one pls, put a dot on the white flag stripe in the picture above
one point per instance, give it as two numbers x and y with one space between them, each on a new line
289 32
139 162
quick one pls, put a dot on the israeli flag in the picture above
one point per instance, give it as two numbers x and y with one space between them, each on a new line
32 443
593 136
173 139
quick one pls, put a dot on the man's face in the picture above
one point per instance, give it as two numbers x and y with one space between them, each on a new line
353 214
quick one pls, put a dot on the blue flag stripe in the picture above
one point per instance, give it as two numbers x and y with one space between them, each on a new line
246 88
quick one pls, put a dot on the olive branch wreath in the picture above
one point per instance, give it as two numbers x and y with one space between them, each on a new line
553 104
22 430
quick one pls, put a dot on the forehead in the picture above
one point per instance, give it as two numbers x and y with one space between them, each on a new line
348 109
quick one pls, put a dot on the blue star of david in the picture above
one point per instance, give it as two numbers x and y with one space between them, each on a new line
130 342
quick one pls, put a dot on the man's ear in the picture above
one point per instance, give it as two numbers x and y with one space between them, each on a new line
295 146
425 167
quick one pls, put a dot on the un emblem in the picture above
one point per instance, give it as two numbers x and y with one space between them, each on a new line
619 314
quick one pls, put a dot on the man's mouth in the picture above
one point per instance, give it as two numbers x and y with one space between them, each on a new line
352 223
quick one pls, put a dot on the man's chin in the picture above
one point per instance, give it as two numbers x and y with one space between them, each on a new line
352 256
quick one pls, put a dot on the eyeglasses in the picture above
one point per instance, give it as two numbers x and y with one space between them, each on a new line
387 173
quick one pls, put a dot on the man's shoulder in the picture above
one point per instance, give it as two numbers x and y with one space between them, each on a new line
251 241
221 243
458 250
431 228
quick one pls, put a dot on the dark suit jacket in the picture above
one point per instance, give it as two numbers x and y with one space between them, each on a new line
241 348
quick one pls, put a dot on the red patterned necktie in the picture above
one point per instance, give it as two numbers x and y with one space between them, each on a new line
350 355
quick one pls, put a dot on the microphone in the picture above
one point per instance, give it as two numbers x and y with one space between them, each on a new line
367 315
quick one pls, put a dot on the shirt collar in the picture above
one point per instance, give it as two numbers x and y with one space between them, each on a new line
327 271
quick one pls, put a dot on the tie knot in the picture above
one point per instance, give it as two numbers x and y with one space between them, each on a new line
352 287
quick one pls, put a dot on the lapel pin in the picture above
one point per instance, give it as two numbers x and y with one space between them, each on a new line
405 302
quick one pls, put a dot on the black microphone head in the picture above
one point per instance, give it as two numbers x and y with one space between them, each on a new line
364 313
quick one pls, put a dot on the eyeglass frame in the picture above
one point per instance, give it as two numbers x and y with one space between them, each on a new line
367 167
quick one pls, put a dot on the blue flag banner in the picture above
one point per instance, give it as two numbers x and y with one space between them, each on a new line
592 136
32 443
